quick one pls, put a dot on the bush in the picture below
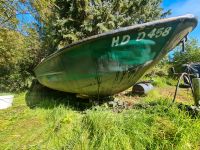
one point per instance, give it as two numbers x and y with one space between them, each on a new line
161 69
192 54
75 20
19 55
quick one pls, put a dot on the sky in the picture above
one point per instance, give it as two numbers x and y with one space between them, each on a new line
181 7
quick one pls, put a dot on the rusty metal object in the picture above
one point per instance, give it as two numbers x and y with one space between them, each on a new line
142 88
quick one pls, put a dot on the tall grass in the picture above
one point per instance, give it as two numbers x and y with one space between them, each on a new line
61 126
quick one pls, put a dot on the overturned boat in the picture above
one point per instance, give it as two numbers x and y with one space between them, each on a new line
111 62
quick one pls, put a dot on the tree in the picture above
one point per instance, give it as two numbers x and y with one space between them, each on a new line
192 54
8 14
18 56
75 20
19 46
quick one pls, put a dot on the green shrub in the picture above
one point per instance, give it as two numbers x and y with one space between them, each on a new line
19 55
191 54
75 20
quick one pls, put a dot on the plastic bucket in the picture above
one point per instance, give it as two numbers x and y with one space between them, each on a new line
6 101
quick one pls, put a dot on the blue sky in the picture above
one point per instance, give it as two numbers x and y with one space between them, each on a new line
181 7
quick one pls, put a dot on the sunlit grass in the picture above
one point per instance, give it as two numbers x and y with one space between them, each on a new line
4 93
62 126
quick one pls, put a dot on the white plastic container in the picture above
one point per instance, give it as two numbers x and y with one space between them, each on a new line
6 101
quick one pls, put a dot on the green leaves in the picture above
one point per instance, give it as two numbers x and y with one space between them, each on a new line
74 20
192 54
18 55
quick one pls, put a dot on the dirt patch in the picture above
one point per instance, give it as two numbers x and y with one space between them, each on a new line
184 95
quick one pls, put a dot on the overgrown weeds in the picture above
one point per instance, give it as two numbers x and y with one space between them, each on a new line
154 126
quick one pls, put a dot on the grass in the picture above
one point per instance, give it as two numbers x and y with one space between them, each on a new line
162 82
57 124
4 94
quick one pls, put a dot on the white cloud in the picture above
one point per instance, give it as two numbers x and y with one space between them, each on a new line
185 7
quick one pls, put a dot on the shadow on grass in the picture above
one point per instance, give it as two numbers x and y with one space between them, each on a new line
130 93
43 97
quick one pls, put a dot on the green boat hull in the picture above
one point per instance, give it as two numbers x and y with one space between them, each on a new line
109 63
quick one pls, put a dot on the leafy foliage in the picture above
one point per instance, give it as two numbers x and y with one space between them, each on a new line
19 45
8 13
75 20
12 13
18 56
192 54
160 69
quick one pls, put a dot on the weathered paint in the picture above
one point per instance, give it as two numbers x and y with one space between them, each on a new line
109 63
196 87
